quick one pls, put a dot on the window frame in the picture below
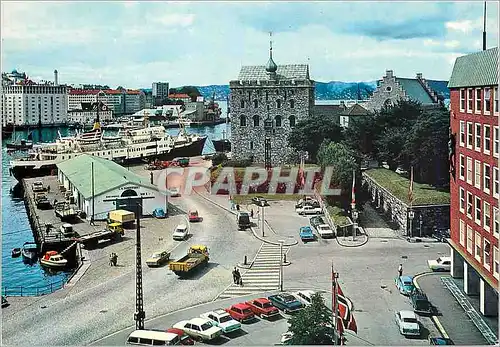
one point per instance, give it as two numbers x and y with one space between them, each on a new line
477 137
495 182
462 133
469 171
477 174
486 188
496 260
486 259
462 197
478 100
470 236
495 101
462 232
470 99
469 205
496 141
477 210
486 139
486 215
470 135
478 246
462 94
487 101
461 167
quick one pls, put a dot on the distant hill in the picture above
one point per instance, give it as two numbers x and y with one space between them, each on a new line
334 90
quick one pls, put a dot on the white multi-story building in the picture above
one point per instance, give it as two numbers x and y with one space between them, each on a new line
118 101
34 104
88 114
77 96
160 89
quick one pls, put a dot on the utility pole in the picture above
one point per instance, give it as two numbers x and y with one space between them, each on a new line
139 314
93 197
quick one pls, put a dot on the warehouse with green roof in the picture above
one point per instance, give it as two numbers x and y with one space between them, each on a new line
89 177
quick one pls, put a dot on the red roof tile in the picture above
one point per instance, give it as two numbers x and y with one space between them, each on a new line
178 96
82 91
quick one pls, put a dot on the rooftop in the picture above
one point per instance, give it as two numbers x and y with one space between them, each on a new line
415 90
178 96
355 110
108 175
475 70
284 72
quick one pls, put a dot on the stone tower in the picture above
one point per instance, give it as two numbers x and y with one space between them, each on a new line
266 102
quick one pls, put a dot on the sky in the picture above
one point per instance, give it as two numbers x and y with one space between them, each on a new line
133 44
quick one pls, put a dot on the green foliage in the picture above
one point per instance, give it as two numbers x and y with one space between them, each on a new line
219 158
308 134
313 324
341 159
238 163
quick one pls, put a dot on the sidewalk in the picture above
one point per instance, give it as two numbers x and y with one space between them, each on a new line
360 239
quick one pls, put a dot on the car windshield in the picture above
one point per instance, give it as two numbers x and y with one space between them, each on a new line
288 298
247 311
156 255
206 326
267 305
181 230
225 319
410 320
406 283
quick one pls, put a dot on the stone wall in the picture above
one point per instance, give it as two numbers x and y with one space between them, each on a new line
248 140
396 211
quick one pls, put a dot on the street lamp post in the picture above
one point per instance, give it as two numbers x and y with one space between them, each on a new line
262 217
411 215
281 264
421 222
355 219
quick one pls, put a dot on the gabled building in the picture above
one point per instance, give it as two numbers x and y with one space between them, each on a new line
353 111
391 89
474 179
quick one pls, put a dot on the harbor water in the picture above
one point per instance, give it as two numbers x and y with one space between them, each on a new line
15 225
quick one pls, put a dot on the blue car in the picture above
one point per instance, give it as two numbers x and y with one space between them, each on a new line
159 213
286 302
405 284
306 234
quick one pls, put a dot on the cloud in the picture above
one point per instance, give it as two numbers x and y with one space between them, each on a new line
175 19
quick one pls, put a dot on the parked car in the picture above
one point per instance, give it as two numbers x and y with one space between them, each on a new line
223 320
307 201
420 303
174 192
316 221
194 216
260 201
159 213
241 312
440 264
407 323
441 341
325 231
180 233
286 302
304 296
306 234
158 258
185 338
262 307
37 186
199 328
405 284
286 338
308 210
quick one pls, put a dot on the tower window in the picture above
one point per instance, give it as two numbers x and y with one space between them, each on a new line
255 121
292 103
278 103
255 104
277 119
291 119
251 144
243 121
242 105
267 95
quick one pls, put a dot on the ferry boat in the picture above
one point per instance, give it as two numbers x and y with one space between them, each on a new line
130 145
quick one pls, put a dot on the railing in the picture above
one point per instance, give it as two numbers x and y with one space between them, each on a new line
34 290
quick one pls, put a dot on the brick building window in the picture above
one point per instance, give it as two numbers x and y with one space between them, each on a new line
477 215
470 135
487 139
462 100
469 170
477 172
495 99
462 133
486 216
495 182
462 200
462 167
477 244
277 120
278 103
243 121
291 120
470 100
478 100
495 222
469 205
462 232
486 254
496 262
496 141
292 103
477 143
487 178
487 101
255 121
469 239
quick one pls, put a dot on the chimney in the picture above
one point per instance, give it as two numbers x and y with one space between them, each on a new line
342 104
419 75
389 73
56 82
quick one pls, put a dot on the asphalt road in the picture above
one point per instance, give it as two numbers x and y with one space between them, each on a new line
107 307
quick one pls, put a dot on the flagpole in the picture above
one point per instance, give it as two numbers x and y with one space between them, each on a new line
353 205
335 305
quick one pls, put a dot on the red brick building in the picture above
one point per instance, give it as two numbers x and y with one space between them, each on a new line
474 180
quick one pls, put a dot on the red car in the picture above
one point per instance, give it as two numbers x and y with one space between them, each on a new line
185 338
262 307
194 217
241 312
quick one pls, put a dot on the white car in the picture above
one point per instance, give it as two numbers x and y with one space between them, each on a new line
181 232
285 337
174 192
223 320
304 296
440 264
325 231
407 323
199 328
308 210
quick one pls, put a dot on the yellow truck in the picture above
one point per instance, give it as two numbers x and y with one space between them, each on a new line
126 218
196 258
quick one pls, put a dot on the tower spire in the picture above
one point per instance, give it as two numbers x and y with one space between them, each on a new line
271 66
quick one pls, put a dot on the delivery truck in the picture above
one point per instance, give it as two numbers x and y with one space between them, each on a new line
126 218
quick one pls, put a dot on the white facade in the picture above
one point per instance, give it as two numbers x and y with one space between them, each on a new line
160 89
133 102
88 117
34 104
75 100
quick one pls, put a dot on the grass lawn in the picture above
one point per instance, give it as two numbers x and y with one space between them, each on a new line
423 194
337 216
241 199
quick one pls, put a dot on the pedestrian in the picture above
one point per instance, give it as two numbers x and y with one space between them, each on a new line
251 213
92 221
237 207
48 189
234 275
400 270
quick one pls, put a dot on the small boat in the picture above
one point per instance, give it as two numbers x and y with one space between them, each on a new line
20 145
29 250
53 259
16 252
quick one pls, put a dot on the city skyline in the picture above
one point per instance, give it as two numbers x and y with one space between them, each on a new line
188 43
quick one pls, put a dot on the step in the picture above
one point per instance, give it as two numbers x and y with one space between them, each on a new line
264 267
249 290
262 275
259 272
268 256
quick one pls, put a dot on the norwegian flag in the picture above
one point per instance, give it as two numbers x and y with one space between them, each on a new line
353 193
410 189
344 310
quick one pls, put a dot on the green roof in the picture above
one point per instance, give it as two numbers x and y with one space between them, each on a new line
475 70
108 175
414 90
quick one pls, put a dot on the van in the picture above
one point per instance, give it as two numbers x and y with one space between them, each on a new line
243 220
153 338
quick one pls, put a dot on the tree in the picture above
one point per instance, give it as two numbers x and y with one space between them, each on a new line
313 324
219 158
309 133
361 134
192 91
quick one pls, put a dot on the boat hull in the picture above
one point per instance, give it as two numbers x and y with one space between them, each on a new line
52 264
19 147
191 150
222 145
